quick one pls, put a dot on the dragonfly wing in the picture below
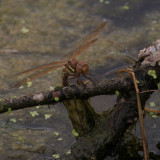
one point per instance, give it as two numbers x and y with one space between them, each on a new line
41 67
87 45
87 39
35 76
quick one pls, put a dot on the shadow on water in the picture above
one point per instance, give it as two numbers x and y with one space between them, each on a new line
124 13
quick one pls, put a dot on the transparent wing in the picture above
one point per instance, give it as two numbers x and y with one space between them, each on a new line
41 67
85 42
36 75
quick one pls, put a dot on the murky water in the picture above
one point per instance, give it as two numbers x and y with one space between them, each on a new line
37 32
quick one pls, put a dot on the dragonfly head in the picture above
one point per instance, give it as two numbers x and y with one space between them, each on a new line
82 68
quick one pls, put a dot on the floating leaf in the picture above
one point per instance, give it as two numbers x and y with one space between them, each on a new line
24 30
56 99
51 88
14 97
47 116
137 81
9 110
22 21
107 2
15 134
21 87
29 83
58 85
151 113
56 133
59 139
34 113
69 152
152 104
158 85
75 133
101 1
125 7
21 139
13 120
56 156
154 116
117 93
37 107
154 76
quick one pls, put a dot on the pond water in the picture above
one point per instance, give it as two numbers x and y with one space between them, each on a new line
37 32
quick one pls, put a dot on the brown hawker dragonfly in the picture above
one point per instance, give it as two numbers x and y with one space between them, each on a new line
72 67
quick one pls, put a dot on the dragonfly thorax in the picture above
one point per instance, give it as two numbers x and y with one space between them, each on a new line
82 68
71 65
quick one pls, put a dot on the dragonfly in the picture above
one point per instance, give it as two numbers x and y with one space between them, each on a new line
72 67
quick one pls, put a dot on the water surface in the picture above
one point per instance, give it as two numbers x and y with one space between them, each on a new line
36 32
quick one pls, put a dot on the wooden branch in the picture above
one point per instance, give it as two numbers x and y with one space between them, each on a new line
104 87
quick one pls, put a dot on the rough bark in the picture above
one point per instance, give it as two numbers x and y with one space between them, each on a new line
110 127
104 87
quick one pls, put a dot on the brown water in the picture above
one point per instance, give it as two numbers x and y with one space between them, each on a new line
36 32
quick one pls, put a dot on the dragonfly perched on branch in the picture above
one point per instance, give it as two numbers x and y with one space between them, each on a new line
72 67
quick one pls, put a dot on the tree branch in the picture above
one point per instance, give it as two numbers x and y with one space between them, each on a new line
104 87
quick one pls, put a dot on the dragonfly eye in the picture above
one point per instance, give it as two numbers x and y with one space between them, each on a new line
85 69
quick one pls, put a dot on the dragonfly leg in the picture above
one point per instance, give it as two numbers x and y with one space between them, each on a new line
88 78
79 81
64 77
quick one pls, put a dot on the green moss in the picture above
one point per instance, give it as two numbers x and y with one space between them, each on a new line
75 133
9 110
117 93
56 99
152 73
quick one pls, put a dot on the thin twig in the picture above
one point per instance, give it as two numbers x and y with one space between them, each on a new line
152 110
140 113
149 91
